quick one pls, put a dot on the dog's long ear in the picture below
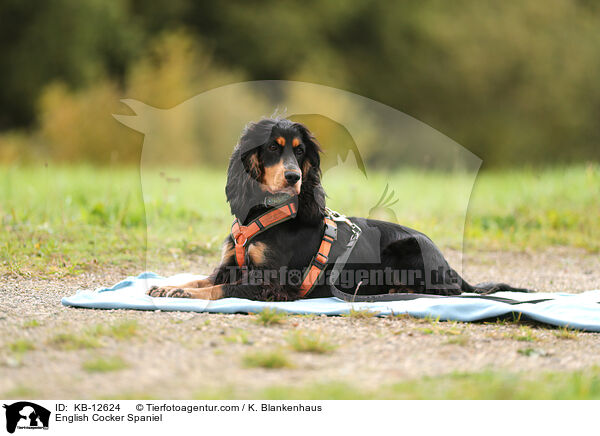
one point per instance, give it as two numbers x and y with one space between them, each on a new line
243 187
311 206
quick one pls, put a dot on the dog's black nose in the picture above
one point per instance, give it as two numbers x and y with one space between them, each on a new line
292 177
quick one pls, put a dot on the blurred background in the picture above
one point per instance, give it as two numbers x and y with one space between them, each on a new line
514 82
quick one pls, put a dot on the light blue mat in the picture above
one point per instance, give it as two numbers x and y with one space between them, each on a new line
577 311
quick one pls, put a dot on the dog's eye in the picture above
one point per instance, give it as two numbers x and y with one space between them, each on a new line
273 147
299 151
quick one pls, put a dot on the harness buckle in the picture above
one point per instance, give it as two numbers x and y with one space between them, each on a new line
333 213
331 231
356 231
241 239
336 216
316 262
321 258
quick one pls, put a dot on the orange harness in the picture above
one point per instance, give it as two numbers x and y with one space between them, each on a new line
242 234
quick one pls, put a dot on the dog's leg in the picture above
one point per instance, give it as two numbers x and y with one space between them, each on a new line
207 293
160 291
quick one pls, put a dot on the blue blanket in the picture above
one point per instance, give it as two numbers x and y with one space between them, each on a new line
577 311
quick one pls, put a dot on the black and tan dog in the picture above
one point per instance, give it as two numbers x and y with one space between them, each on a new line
277 162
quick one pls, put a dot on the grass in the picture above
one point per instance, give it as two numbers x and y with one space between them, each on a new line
274 359
105 364
452 331
437 328
458 340
64 220
91 337
240 336
120 331
532 352
72 341
524 334
17 350
360 314
32 323
425 320
270 316
434 327
21 346
565 333
488 385
309 343
21 392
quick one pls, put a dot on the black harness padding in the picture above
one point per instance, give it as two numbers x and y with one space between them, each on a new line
354 298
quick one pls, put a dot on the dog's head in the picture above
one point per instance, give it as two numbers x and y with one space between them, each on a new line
274 157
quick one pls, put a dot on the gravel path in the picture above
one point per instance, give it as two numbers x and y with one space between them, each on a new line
181 355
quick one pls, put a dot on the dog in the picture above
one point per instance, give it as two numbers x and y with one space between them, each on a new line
285 241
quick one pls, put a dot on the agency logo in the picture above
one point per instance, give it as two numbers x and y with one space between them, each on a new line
376 162
26 415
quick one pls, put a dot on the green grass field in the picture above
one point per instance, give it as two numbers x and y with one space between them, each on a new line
61 220
489 385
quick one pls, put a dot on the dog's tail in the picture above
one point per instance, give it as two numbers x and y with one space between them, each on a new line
483 289
490 288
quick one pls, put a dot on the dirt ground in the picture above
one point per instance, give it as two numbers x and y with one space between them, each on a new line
181 355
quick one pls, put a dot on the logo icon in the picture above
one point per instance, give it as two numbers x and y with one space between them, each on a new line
26 415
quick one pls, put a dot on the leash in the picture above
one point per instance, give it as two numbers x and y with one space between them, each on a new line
341 262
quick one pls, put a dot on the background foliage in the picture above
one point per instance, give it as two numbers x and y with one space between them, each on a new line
514 82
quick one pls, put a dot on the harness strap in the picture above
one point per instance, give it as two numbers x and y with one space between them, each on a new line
242 234
319 261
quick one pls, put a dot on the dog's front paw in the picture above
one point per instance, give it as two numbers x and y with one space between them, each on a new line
178 293
156 291
167 291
